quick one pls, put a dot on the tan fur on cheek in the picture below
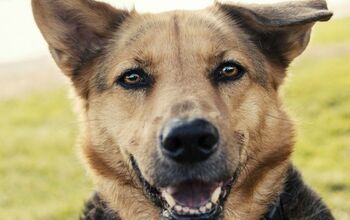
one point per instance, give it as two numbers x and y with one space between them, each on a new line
119 189
265 155
130 202
117 185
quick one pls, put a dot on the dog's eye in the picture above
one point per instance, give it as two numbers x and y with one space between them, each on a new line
134 79
228 71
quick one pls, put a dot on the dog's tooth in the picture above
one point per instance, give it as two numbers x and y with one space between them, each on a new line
170 200
196 212
224 193
216 195
178 208
192 211
209 205
202 209
185 209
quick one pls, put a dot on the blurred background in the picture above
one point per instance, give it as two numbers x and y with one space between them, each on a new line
41 176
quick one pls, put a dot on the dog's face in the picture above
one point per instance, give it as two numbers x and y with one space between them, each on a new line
177 100
184 99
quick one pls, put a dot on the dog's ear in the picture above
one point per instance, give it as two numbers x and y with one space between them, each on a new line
280 30
76 30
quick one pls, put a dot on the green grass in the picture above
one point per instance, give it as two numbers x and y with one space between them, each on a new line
318 95
42 178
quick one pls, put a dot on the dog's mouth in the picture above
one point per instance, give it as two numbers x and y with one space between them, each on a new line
193 199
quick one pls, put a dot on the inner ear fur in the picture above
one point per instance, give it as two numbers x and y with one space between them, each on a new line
76 30
281 30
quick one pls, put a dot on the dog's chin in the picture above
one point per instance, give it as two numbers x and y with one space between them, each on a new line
193 199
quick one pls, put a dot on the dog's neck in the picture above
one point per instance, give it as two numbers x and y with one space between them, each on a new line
276 211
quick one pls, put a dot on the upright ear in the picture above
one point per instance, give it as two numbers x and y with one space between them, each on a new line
76 30
280 30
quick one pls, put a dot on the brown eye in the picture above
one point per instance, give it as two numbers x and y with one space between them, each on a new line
228 71
134 79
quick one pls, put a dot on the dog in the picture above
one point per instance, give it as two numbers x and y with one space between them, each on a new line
181 110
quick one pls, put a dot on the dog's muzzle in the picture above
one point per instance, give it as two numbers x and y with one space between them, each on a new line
190 147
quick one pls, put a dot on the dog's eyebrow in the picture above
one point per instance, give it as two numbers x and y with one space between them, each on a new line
144 61
216 58
141 61
220 55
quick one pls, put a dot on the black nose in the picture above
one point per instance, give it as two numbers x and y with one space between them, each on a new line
189 141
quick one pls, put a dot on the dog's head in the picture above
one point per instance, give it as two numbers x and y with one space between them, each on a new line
186 100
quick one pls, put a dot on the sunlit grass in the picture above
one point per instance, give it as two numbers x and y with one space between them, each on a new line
318 95
41 177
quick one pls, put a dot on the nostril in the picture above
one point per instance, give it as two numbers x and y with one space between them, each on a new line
172 145
208 142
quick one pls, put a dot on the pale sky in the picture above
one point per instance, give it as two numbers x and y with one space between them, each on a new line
21 40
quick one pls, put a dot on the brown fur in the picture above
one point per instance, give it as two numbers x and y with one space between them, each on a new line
93 43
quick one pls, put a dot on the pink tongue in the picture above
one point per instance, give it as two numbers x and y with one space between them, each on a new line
192 194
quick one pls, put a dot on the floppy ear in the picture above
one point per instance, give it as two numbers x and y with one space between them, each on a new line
280 30
76 30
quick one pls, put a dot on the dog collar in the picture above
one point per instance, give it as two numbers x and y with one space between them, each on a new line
276 212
